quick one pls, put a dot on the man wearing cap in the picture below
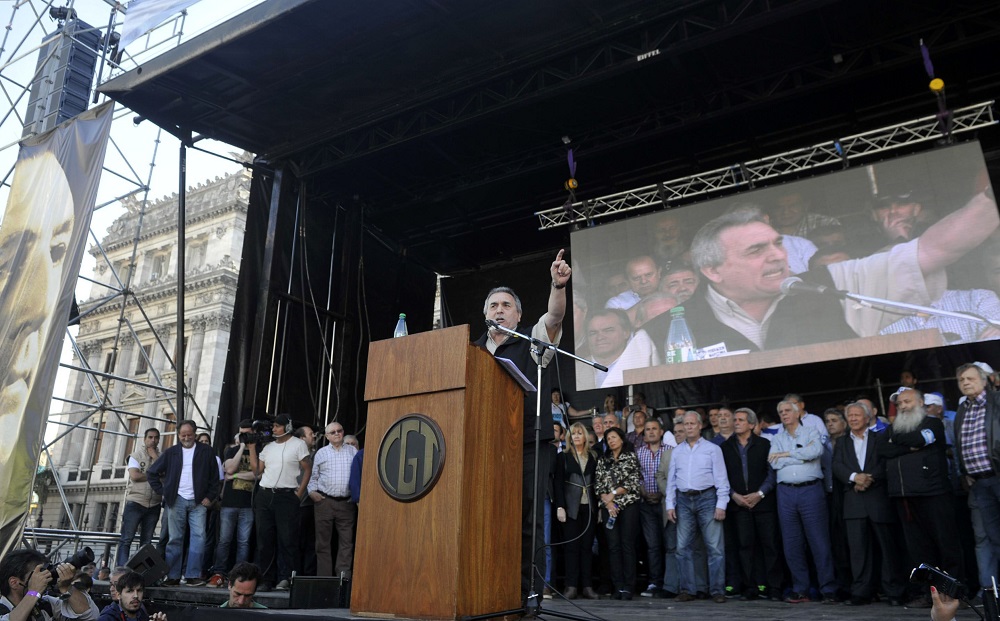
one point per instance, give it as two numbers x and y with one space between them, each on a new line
977 447
917 475
284 469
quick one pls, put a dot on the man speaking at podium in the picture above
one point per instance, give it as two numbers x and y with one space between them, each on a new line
504 307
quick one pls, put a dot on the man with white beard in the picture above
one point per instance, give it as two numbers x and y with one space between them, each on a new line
917 477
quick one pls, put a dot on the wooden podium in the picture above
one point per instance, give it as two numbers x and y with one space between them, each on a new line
455 551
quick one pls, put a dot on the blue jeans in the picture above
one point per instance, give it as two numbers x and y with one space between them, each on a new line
233 520
985 496
136 517
671 569
697 513
803 517
183 515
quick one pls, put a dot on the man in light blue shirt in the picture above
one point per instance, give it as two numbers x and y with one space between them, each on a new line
697 495
795 455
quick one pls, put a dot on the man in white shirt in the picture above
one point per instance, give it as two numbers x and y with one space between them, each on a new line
187 476
614 345
328 488
284 470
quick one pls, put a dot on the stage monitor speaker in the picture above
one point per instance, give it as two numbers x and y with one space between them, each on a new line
148 562
319 592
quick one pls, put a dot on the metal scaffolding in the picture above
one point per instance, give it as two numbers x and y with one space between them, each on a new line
101 402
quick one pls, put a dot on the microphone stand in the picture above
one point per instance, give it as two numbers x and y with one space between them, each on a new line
533 606
908 308
917 309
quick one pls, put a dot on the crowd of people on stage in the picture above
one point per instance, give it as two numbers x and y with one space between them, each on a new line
726 502
298 500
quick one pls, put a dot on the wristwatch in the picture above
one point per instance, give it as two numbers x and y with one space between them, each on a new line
614 492
761 495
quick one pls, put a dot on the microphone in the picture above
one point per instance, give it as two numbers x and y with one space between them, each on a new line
794 285
492 325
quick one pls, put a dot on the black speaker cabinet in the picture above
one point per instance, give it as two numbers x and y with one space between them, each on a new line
319 592
148 562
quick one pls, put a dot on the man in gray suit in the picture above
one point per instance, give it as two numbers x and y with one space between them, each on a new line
868 513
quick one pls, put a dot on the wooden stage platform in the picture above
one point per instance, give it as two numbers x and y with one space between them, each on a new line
185 599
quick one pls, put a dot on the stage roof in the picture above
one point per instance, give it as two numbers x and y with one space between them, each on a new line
446 118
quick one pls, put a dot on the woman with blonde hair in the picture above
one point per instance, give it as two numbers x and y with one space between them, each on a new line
576 508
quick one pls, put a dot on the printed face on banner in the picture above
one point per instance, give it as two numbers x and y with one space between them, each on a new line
902 235
34 239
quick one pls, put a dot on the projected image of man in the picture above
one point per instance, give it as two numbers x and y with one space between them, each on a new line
612 343
743 259
643 279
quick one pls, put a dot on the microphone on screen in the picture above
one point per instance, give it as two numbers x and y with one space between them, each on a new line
793 285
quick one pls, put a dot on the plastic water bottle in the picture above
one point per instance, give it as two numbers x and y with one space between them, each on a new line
401 327
610 524
680 345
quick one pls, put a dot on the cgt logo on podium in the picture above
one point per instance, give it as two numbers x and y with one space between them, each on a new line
411 457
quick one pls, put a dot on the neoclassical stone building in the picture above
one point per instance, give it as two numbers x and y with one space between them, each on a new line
133 342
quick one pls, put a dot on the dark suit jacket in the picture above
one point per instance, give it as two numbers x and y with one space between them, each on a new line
913 467
872 503
165 474
758 469
567 494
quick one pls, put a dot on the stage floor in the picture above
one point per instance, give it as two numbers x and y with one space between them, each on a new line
639 609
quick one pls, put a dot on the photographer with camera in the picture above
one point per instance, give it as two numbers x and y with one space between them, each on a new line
236 517
26 576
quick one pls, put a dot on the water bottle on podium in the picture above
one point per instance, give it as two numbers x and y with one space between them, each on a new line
680 345
400 327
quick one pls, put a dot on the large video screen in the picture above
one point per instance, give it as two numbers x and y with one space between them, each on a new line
894 256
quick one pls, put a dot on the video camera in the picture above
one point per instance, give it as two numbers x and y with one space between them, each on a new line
84 556
940 580
261 433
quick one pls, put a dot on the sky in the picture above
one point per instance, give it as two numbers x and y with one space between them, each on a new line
134 154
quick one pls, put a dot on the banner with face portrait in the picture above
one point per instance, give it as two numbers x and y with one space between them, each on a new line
764 278
42 240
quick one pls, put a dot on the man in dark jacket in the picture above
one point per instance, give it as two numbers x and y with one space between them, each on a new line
752 502
129 606
977 447
187 476
504 308
917 474
868 513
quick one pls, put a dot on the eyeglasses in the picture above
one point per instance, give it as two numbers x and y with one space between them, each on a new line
335 431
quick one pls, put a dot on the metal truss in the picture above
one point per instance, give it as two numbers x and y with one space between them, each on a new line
747 174
120 296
